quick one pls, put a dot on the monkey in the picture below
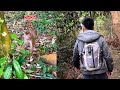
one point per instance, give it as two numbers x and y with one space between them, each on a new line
29 38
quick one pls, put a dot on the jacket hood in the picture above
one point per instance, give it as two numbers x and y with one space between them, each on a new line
88 36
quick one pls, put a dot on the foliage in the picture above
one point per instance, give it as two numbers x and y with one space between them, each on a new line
68 23
45 24
46 70
13 63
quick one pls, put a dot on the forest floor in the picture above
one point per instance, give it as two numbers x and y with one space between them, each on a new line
69 72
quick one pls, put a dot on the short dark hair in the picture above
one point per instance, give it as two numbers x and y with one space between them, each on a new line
88 23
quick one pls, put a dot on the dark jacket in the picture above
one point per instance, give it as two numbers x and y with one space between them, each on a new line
86 37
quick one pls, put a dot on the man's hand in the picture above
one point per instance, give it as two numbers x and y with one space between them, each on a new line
78 68
109 73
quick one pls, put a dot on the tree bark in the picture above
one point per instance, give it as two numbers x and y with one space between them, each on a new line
5 39
116 24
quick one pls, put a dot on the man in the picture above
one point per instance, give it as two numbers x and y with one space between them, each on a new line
89 35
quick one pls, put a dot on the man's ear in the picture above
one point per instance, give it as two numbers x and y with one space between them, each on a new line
83 28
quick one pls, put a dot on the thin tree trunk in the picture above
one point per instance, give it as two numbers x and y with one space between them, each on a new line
116 24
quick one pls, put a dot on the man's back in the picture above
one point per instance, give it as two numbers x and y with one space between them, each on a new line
89 35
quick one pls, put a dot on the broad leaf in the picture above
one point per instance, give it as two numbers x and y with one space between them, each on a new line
12 51
1 70
14 36
25 76
18 70
8 72
21 60
13 45
20 42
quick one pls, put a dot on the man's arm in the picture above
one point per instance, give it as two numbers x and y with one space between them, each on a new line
107 56
75 59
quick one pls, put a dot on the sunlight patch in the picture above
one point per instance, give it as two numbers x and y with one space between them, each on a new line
4 34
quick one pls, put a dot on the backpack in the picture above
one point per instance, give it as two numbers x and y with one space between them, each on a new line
91 55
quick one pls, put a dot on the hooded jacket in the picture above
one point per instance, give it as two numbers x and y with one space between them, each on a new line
87 37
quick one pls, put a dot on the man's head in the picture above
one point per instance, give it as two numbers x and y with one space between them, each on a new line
87 24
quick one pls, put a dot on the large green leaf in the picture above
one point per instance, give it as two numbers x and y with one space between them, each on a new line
25 76
18 70
20 42
14 36
1 70
12 51
21 60
8 72
24 51
3 61
13 45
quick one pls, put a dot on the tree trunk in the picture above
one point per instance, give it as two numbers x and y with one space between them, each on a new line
5 39
116 24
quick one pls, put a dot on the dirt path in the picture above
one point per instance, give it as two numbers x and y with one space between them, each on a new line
67 71
116 59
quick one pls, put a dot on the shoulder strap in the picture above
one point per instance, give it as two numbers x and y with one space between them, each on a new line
80 47
80 43
101 47
98 41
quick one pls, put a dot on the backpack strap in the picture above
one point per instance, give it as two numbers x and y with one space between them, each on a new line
81 43
101 47
98 41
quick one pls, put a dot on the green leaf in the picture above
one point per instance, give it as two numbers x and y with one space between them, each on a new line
22 51
12 51
13 45
14 36
52 33
54 67
14 73
25 76
46 50
33 68
20 42
1 70
3 61
8 72
21 60
49 69
41 62
17 57
42 49
26 52
28 71
54 46
1 20
18 70
49 76
44 69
